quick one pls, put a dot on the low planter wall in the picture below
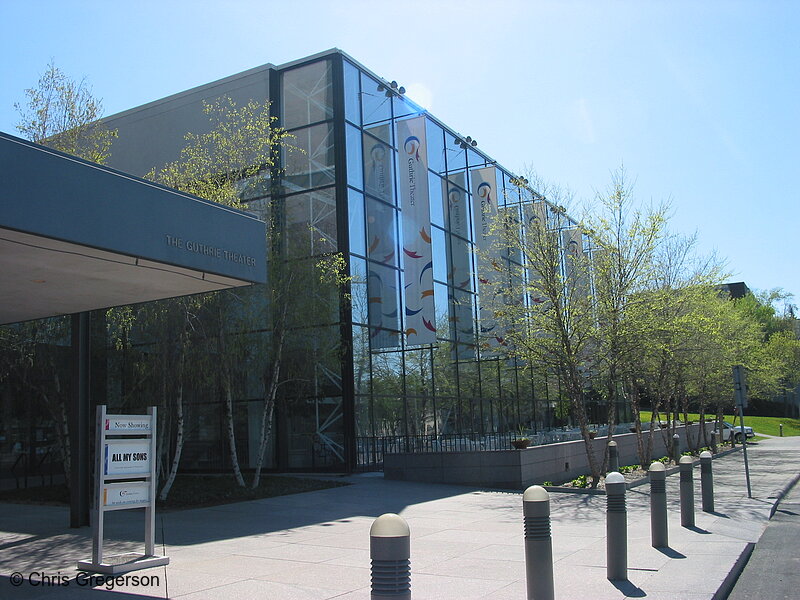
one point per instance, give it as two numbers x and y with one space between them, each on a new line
517 469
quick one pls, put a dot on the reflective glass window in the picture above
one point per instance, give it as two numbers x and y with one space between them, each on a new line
352 94
435 193
378 168
307 95
357 224
454 155
462 315
435 136
404 107
358 285
355 170
361 359
313 166
475 159
311 222
439 255
384 305
442 314
375 105
381 232
387 389
255 186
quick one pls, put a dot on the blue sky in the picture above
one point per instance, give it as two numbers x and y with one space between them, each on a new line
699 100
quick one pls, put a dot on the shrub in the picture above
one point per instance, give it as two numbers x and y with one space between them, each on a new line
581 481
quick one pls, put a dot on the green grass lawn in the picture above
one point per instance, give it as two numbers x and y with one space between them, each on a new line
189 491
767 425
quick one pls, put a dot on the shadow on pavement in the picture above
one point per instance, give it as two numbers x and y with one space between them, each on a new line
630 590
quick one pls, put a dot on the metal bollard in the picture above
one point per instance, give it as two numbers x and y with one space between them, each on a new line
706 481
390 551
714 441
613 457
616 528
538 543
676 448
686 466
658 505
780 425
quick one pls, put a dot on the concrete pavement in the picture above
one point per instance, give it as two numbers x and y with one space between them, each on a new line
466 543
773 570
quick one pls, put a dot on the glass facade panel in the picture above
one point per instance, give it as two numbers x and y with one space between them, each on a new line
355 210
375 105
311 222
404 107
435 135
381 232
361 360
378 165
355 170
358 290
307 95
439 255
436 193
313 166
352 94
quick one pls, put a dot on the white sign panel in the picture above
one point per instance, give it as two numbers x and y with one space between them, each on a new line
420 321
124 494
128 424
127 458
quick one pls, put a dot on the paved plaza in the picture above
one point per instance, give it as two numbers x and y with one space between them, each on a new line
465 543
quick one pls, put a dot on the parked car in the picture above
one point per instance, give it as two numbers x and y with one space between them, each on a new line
728 429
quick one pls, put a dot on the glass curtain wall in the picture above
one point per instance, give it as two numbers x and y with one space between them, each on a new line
459 391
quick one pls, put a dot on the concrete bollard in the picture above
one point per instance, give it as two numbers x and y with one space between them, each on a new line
613 457
686 466
706 481
658 505
780 426
390 551
714 441
676 448
616 528
538 543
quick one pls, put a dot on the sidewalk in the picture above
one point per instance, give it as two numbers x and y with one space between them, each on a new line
466 543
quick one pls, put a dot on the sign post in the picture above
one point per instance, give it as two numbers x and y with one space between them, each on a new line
125 478
740 390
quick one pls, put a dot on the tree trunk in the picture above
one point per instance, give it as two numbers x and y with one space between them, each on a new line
179 438
575 391
225 373
270 394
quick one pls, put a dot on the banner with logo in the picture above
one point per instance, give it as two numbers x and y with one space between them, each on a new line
382 275
459 271
489 263
420 318
576 261
535 217
378 154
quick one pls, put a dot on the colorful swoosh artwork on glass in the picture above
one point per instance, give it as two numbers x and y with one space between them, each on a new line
420 320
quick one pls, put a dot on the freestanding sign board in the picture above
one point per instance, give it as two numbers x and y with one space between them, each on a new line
125 477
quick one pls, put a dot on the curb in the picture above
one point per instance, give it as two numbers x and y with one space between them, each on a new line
782 492
733 576
726 587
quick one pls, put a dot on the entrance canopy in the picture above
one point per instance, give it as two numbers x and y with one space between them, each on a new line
76 236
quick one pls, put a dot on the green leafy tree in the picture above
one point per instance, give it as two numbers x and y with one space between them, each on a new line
625 238
63 114
556 325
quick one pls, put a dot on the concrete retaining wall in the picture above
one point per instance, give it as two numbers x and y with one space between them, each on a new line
517 469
